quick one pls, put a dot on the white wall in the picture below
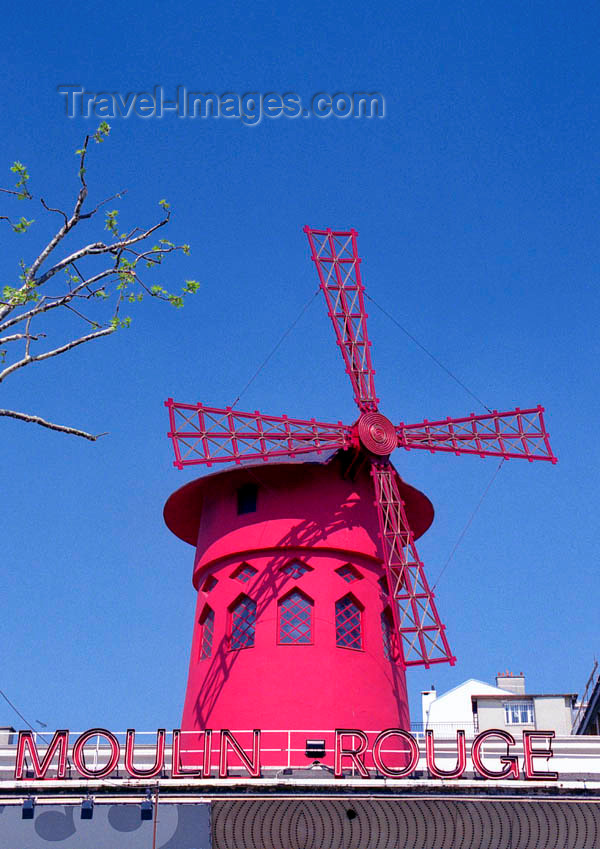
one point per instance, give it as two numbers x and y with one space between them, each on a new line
454 707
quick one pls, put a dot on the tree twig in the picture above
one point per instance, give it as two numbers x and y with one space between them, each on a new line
27 360
25 417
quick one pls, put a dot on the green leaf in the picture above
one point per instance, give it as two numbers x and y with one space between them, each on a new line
110 222
102 132
22 225
18 168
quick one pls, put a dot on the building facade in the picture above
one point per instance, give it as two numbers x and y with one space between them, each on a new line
477 706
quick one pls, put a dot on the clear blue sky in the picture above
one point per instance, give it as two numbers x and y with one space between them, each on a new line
477 203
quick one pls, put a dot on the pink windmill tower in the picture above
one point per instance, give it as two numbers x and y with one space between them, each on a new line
312 599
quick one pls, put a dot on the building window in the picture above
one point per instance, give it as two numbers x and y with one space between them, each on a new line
209 584
348 623
207 628
243 573
519 713
243 622
295 569
388 635
295 619
349 573
246 498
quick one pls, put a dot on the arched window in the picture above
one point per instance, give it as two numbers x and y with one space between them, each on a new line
348 623
388 634
207 628
243 621
295 619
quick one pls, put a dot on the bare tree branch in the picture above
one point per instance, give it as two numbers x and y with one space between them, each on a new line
86 215
25 417
52 209
105 293
14 338
27 360
94 249
4 340
45 305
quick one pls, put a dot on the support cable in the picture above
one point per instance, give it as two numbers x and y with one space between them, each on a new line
285 335
429 354
467 526
19 714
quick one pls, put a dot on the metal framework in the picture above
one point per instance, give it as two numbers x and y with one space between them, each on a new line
416 620
207 435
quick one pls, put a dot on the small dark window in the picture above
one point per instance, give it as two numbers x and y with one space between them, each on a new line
243 573
294 569
295 619
246 498
243 621
349 573
348 623
207 626
209 584
388 635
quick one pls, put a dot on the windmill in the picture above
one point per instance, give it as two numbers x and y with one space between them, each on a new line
208 435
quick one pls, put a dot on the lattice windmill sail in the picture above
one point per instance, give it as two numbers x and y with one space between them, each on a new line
208 435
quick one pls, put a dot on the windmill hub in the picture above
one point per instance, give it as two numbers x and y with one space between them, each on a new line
377 434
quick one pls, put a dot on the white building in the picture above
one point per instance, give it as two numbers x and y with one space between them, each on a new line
476 706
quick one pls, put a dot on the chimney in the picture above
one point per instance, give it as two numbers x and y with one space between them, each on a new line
427 698
512 682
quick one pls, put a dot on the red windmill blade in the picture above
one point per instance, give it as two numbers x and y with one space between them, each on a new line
207 435
335 255
516 434
210 435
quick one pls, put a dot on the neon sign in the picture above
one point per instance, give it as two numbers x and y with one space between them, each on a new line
351 746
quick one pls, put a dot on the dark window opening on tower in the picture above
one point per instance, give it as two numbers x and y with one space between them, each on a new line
209 584
348 623
243 621
295 569
243 573
349 573
207 626
246 498
295 619
388 635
